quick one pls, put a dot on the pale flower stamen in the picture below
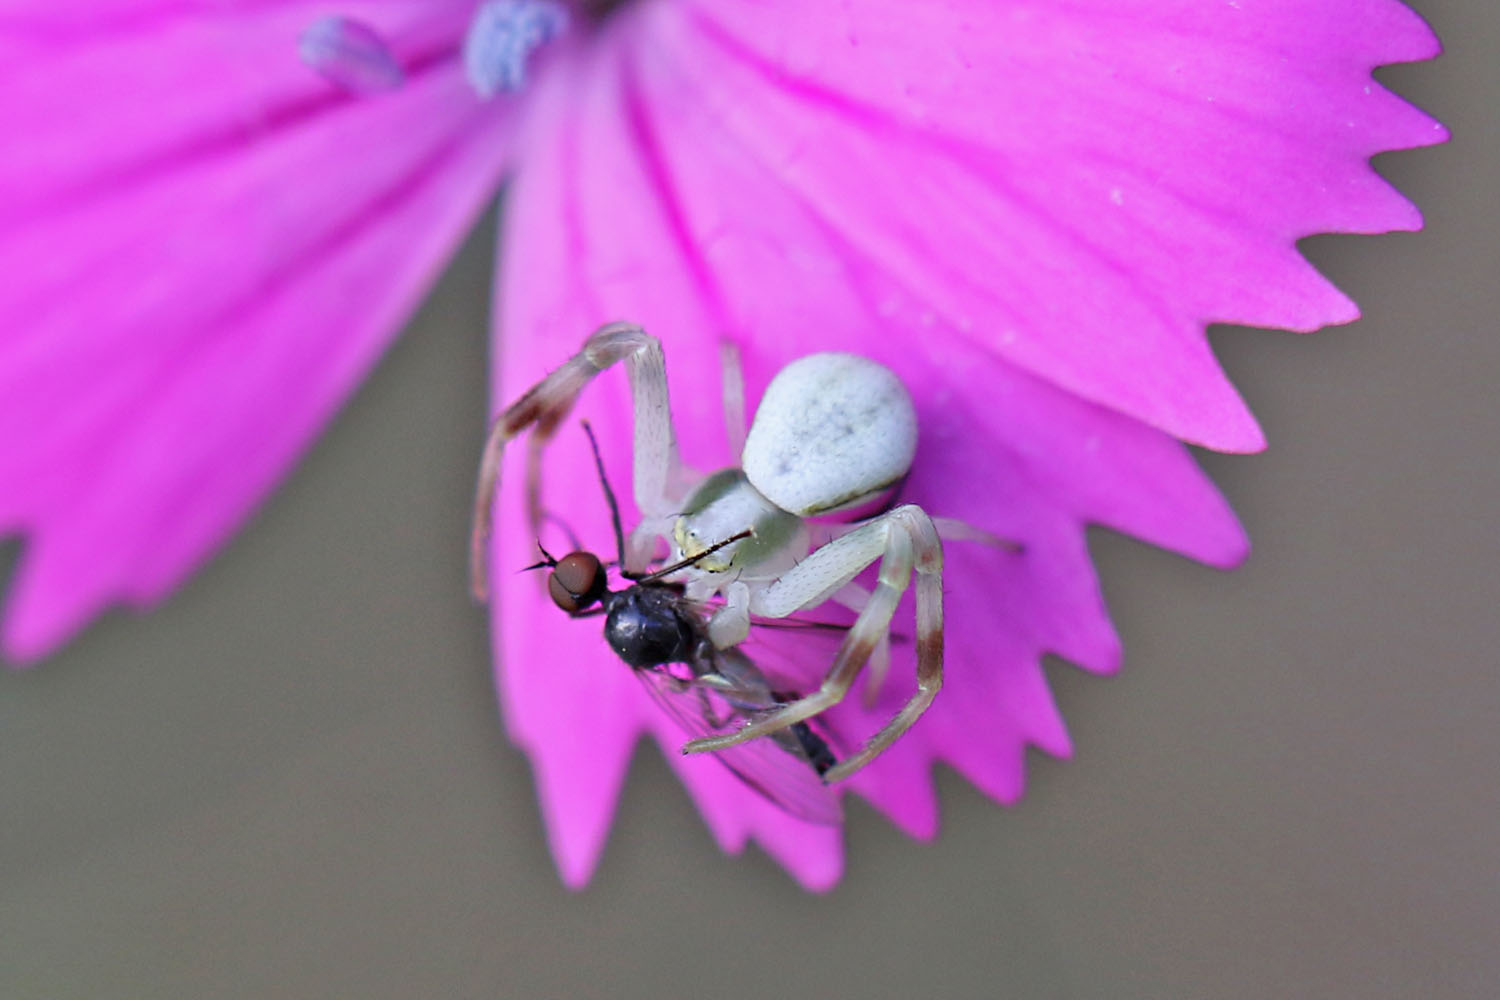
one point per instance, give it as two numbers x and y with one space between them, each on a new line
350 54
502 38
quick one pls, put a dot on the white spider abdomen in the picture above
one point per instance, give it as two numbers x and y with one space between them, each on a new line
831 431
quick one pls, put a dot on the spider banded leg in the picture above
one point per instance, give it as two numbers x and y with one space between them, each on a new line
903 539
854 597
546 404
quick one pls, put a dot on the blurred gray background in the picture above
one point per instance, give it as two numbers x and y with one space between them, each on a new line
291 781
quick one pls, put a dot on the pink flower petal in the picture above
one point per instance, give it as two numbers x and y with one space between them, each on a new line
1033 234
563 702
1133 171
1029 210
218 245
570 704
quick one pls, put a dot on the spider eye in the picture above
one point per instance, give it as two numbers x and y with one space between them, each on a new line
577 581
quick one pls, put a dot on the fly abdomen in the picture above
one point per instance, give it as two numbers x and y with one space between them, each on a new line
818 752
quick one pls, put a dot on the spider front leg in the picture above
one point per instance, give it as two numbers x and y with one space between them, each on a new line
903 540
545 405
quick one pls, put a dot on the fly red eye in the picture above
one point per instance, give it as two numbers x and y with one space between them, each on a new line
577 581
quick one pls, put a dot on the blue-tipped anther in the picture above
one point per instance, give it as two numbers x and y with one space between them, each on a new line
351 54
501 39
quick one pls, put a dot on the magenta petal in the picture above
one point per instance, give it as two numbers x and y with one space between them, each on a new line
104 97
1078 189
578 714
813 855
1033 233
585 241
572 222
209 289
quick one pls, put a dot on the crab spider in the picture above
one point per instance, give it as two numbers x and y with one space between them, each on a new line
833 432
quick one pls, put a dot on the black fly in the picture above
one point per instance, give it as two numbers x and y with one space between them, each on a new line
663 637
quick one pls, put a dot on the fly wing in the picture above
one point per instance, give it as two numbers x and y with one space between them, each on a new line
779 766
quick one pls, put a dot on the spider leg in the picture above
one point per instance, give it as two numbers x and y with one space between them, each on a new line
734 397
854 597
951 529
545 405
902 540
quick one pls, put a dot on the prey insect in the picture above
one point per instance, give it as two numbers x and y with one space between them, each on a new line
833 433
663 637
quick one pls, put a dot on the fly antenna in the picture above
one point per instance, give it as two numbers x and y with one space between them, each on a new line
690 560
547 560
609 496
